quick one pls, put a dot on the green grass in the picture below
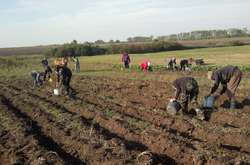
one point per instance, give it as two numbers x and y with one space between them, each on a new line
109 64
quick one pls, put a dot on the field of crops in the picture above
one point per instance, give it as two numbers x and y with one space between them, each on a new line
119 117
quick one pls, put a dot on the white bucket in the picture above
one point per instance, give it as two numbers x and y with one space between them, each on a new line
56 92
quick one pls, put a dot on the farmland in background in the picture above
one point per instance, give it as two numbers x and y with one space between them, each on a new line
205 43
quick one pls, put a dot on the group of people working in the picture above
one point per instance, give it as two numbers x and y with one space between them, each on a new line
184 64
187 88
62 73
146 64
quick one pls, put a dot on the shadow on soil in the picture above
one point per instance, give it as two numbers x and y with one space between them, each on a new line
239 105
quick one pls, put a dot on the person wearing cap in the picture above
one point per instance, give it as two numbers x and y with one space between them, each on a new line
229 77
186 90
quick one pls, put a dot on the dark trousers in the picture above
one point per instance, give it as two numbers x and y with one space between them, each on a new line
126 64
48 71
66 85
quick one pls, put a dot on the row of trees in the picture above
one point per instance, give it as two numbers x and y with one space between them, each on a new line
193 35
207 34
90 49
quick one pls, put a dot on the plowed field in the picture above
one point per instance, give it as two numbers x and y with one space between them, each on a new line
116 121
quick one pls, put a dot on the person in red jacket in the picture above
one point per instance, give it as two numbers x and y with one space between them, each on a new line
145 65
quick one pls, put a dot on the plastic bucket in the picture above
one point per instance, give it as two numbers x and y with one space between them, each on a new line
173 107
208 102
56 92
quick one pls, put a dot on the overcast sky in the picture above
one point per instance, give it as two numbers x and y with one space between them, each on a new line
41 22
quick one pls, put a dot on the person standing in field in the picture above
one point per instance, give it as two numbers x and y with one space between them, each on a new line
77 64
126 60
186 90
47 69
229 77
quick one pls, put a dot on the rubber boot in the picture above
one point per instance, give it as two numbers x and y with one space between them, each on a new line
232 104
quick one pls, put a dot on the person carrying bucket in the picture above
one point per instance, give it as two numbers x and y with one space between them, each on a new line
186 90
64 75
229 77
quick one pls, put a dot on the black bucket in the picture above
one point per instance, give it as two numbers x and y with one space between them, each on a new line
173 107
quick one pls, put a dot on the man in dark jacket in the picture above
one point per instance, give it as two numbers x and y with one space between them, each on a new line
229 77
64 75
186 90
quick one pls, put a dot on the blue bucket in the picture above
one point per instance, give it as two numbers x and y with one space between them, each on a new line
208 102
173 107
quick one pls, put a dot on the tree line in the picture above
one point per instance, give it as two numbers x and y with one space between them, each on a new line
89 49
193 35
207 34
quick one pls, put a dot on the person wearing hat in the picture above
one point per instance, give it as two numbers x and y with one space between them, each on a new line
186 90
229 77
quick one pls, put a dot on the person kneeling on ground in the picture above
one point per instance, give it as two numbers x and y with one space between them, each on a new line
186 90
36 78
64 75
145 66
229 77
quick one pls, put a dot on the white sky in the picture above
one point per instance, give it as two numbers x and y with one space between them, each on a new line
41 22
